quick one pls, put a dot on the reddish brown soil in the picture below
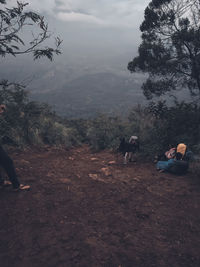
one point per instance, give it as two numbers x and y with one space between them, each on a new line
84 210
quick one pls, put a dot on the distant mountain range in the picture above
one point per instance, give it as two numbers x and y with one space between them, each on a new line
79 88
91 94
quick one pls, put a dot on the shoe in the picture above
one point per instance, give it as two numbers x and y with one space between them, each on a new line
22 187
5 183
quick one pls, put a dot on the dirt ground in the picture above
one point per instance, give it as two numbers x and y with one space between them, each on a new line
88 209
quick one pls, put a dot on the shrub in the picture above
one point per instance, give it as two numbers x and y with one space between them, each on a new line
104 132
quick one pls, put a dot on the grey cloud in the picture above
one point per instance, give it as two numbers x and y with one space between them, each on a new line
112 12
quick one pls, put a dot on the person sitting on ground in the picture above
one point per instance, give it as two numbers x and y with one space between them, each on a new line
187 155
7 163
164 165
180 165
174 165
170 154
181 148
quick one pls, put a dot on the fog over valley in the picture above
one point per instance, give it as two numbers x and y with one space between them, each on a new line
90 76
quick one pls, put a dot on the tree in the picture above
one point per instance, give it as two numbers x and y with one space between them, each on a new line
22 116
170 48
13 21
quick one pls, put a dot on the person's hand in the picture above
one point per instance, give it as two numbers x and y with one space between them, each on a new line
2 108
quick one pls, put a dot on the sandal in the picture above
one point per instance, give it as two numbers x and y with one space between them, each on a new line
22 187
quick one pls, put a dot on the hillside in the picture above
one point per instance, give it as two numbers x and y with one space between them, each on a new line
91 94
81 89
87 209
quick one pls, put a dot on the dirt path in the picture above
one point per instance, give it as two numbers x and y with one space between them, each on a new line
86 210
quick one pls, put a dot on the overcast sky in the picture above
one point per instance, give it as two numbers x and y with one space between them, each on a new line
107 17
104 13
101 32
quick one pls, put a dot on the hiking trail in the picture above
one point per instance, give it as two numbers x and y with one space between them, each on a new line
88 209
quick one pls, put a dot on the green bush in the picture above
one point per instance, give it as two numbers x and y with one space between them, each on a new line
157 125
176 124
55 133
104 132
30 123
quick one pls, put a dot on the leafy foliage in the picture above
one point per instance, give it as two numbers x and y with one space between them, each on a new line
104 132
30 123
25 122
12 21
170 48
179 123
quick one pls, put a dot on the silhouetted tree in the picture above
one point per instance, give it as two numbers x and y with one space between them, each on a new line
13 21
170 48
23 120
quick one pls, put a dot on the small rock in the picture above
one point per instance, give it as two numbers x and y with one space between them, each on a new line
64 180
111 162
24 161
106 171
93 159
93 175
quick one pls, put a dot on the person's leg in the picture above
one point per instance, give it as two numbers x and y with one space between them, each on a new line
129 156
1 179
125 158
7 163
3 182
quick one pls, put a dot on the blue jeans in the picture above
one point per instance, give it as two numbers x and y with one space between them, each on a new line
164 165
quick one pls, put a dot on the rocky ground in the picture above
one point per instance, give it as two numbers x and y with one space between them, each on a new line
88 209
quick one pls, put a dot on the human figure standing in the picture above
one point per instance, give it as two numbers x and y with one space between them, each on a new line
7 163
